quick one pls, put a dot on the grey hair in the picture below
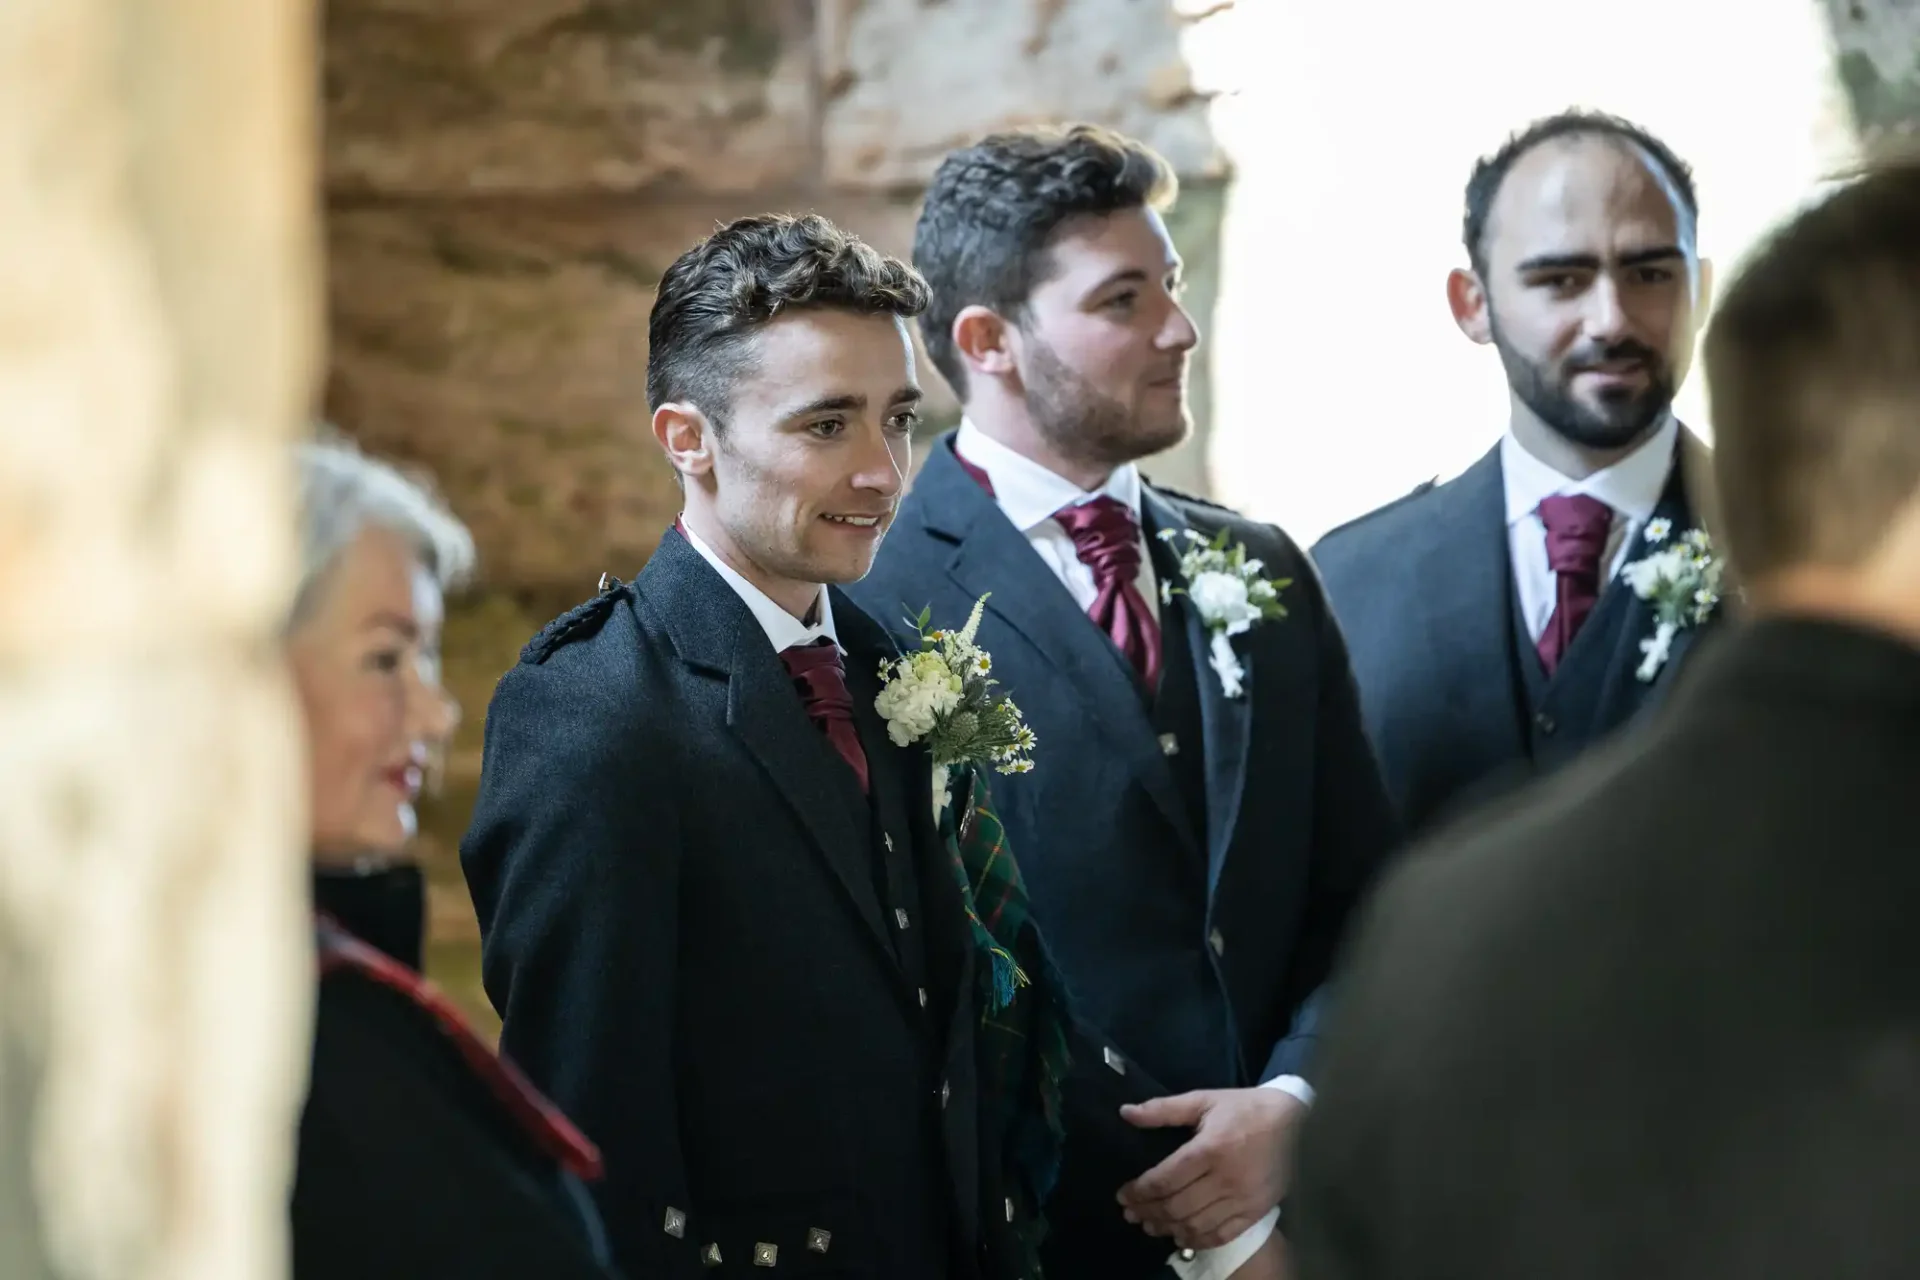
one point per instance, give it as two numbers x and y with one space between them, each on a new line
343 491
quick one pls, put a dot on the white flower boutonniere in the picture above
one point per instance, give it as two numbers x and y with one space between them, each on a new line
941 694
1229 594
1681 580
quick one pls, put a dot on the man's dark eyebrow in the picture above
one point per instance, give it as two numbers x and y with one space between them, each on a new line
1126 275
1591 262
1659 253
826 404
1132 275
851 403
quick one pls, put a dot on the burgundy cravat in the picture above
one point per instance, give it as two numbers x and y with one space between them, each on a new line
822 681
1577 529
1107 539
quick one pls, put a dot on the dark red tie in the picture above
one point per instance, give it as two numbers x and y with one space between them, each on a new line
822 681
1107 539
1577 529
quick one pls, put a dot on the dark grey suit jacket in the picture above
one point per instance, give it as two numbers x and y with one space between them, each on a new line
1424 591
1659 1018
1199 954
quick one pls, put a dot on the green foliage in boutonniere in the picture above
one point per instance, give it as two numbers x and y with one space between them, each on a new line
942 694
1681 581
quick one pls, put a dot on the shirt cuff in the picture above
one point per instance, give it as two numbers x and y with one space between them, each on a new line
1218 1264
1294 1085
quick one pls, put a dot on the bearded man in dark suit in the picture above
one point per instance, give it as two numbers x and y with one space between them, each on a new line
1660 1017
1494 622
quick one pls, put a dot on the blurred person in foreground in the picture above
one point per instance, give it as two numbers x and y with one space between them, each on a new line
1660 1017
421 1153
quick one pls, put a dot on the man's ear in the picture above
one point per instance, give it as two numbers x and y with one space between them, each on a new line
1467 299
687 436
982 336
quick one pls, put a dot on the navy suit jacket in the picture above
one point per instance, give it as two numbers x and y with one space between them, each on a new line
1424 591
682 930
1201 957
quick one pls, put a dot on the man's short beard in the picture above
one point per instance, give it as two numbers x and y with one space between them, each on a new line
1079 423
1617 424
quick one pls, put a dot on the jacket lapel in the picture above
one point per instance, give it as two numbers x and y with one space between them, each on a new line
1463 580
712 628
1624 691
903 777
1225 722
992 557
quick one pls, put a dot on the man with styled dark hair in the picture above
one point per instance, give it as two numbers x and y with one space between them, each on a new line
716 917
724 919
1657 1018
1206 811
1493 631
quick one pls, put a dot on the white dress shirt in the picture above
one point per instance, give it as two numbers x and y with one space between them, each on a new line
1029 494
1631 486
783 629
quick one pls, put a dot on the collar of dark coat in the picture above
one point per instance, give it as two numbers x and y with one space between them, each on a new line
543 1123
705 618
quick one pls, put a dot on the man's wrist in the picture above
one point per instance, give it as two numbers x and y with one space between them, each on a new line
1294 1085
1220 1263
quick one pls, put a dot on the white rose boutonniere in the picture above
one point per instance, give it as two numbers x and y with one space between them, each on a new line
1227 592
1682 582
943 695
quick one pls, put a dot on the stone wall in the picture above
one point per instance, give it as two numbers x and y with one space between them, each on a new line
1877 48
506 179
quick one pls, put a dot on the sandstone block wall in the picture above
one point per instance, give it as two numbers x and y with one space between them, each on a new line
506 179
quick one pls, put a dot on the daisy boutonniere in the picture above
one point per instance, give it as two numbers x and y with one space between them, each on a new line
942 694
1228 593
1681 580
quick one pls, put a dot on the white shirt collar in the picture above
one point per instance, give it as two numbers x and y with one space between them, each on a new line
1029 493
784 631
1631 486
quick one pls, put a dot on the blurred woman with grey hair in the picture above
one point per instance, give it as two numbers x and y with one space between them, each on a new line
422 1154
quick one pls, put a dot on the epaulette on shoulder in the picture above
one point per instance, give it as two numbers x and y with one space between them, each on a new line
579 622
1420 490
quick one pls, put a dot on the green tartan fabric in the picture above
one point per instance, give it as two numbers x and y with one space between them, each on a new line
1023 1027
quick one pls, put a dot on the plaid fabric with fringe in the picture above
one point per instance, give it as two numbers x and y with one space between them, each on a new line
1023 1025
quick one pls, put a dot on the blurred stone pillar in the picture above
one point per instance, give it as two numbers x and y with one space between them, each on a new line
157 347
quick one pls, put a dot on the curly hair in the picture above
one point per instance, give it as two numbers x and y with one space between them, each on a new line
716 294
995 208
1491 171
